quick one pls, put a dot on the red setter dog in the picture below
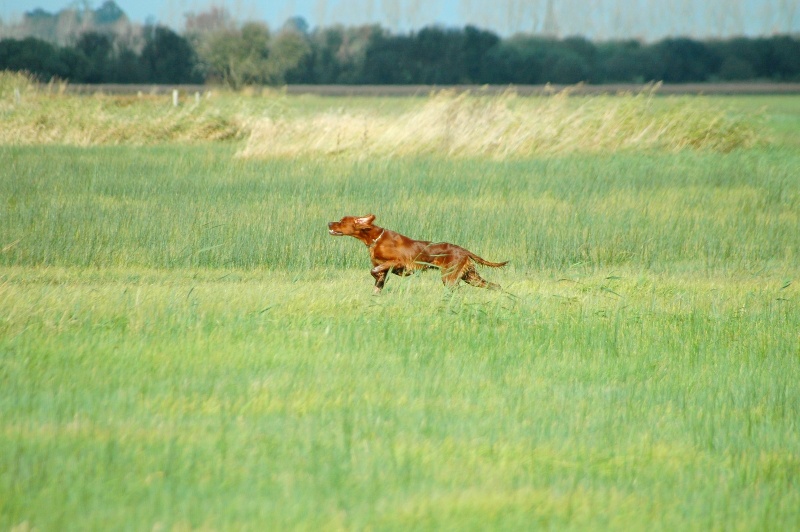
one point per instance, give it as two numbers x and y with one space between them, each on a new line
398 254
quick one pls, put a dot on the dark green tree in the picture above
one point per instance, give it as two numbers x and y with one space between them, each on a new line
98 48
784 59
388 60
437 56
684 60
477 46
168 58
39 58
514 61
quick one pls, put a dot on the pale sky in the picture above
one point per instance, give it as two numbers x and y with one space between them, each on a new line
596 19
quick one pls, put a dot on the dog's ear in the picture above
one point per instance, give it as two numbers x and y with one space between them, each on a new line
365 220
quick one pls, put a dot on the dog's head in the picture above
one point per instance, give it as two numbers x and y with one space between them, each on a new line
351 225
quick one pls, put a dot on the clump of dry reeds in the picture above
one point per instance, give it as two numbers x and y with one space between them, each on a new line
34 114
446 123
505 126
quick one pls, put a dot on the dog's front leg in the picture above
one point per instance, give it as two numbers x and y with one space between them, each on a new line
379 272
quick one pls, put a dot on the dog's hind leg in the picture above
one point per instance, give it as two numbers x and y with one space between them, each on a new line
454 272
471 276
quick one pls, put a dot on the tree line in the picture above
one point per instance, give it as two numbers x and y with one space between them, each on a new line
213 49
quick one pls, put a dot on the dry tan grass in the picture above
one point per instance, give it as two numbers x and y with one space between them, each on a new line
446 123
34 115
461 125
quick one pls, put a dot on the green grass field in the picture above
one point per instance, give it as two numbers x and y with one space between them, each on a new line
183 346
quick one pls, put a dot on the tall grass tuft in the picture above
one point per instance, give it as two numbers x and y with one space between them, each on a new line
505 126
45 116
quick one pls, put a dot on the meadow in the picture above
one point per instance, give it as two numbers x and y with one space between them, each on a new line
183 345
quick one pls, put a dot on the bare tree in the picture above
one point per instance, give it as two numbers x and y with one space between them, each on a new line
69 26
215 19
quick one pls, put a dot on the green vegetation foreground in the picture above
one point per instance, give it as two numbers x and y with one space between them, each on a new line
182 345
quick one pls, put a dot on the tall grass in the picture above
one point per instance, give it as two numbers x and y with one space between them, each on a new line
502 127
139 398
183 346
444 124
47 116
199 207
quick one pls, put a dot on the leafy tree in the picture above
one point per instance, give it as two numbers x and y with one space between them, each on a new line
785 58
625 62
353 52
251 55
741 58
321 65
215 48
735 68
683 60
253 41
437 56
168 58
514 61
287 50
128 68
32 55
584 56
237 56
386 60
564 66
98 49
336 55
76 65
477 46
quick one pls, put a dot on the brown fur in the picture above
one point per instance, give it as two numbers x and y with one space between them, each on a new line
392 252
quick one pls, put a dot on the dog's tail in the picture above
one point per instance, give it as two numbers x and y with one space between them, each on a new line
485 262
